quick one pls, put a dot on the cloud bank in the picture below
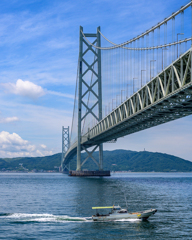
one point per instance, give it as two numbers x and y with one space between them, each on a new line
12 145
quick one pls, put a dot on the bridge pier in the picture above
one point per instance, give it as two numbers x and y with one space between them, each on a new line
89 173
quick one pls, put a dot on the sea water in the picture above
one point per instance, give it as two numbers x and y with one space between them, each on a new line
55 206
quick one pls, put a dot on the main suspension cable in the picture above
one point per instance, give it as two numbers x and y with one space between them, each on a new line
74 100
147 48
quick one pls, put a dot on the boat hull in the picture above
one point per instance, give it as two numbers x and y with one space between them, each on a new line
118 216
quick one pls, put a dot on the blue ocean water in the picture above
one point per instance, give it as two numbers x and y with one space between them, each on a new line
55 206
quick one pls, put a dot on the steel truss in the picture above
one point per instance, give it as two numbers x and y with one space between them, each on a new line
166 97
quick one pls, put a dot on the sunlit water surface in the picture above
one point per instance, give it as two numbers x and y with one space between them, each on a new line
55 206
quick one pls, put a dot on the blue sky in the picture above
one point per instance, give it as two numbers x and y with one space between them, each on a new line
39 43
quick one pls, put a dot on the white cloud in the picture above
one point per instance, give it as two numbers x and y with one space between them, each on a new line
25 89
43 146
12 145
9 119
31 90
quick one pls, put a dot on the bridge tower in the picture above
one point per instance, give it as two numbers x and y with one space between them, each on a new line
65 147
95 68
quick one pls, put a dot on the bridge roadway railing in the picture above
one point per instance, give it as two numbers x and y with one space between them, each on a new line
166 97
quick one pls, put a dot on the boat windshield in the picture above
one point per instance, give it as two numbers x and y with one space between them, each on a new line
116 208
123 211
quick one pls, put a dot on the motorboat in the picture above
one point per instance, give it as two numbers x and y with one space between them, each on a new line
117 213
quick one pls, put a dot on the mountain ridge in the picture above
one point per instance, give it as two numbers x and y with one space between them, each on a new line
116 160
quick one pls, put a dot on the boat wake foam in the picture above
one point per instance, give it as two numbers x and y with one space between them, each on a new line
29 218
26 218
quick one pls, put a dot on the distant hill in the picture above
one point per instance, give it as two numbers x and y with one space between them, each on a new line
117 160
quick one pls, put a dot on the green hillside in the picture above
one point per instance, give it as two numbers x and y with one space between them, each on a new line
124 160
31 163
117 160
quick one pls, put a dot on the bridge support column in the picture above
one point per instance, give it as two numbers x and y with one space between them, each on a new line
66 168
91 87
101 157
100 95
90 155
79 101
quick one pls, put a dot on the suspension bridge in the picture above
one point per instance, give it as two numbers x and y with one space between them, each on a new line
125 88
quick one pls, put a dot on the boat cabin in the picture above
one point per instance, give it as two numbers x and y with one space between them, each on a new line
118 209
114 210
